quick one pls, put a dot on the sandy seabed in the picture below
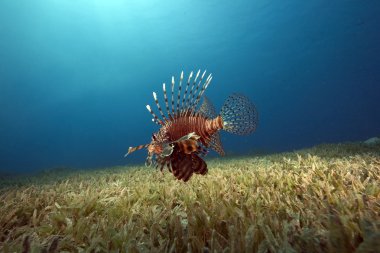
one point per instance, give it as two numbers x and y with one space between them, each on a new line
323 199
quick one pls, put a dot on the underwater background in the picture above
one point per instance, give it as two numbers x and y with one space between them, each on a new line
75 76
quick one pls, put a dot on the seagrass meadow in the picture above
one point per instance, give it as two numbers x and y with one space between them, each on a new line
323 199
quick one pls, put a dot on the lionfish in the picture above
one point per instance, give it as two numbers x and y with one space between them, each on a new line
187 130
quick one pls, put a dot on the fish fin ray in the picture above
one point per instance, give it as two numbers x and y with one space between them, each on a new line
207 109
239 115
216 144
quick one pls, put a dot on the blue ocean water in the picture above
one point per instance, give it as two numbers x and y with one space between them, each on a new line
75 76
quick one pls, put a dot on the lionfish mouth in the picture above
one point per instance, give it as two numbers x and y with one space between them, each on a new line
188 130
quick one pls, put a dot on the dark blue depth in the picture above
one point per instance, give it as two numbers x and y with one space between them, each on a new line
75 76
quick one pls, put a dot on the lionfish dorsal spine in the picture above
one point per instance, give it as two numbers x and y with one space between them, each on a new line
155 118
196 90
158 106
207 82
179 91
173 95
186 90
190 97
166 99
188 101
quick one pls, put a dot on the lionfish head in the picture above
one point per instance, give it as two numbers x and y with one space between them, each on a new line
161 149
154 148
158 149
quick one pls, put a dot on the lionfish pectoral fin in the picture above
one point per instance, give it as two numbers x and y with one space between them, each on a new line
184 166
199 165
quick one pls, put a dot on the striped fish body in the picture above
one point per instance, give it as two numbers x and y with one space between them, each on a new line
181 126
187 131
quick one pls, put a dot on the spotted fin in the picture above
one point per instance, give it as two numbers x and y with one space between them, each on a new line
239 115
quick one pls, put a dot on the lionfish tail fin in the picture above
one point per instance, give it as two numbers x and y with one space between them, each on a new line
133 149
239 115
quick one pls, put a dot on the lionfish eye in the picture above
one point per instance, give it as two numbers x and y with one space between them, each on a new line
167 151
